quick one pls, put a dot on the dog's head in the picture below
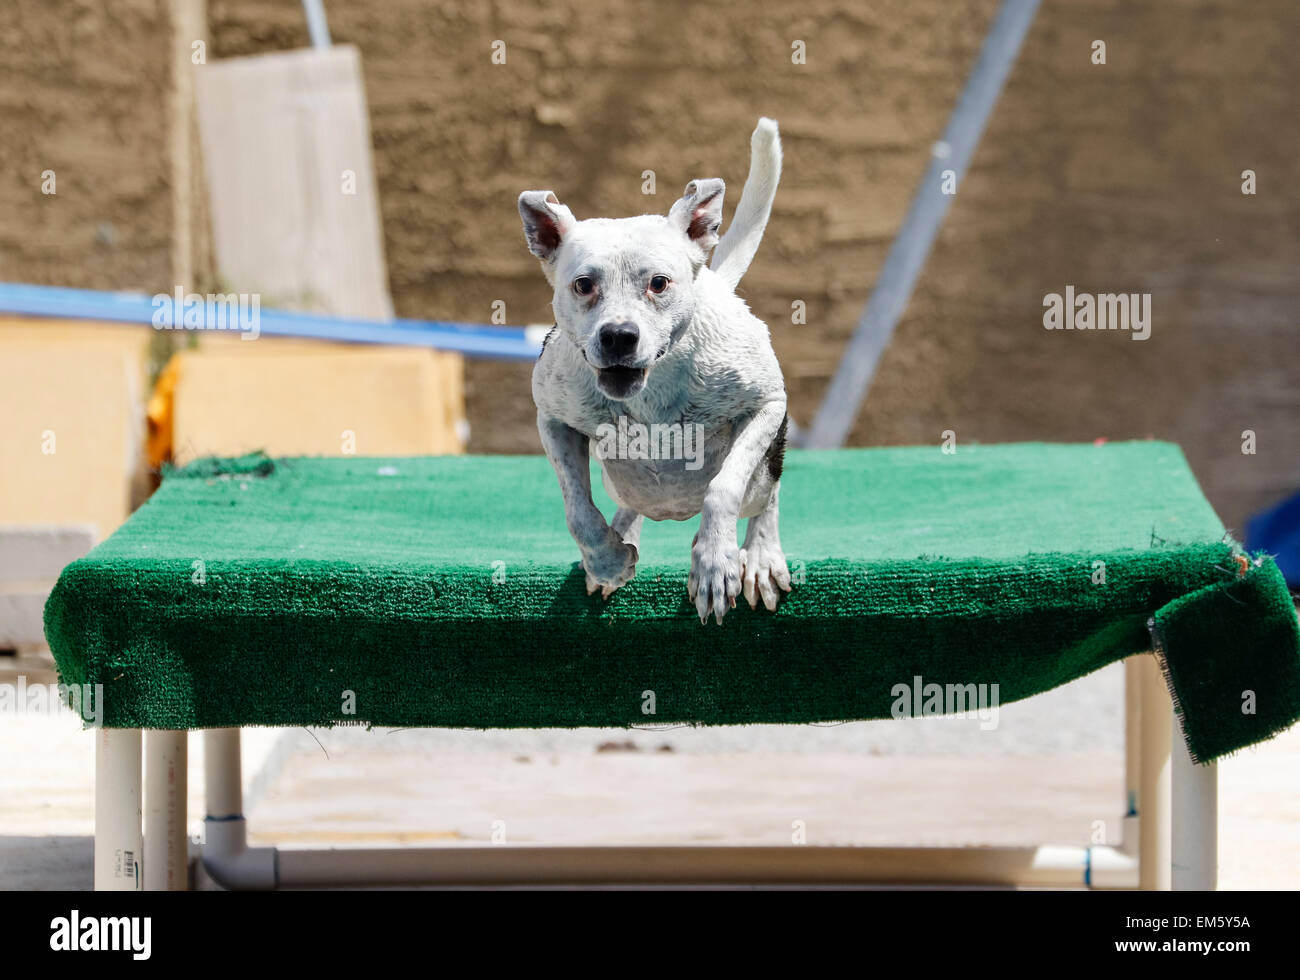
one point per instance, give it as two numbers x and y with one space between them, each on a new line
624 287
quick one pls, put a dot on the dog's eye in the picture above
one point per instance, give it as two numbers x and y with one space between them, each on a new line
583 286
658 284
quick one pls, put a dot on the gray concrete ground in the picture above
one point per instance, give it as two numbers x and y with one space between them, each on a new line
1047 773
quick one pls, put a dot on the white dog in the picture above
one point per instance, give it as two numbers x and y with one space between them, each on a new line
648 337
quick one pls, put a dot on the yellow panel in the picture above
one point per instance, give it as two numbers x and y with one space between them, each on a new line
76 335
71 438
359 400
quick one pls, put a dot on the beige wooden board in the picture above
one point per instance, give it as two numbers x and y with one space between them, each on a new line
280 134
305 402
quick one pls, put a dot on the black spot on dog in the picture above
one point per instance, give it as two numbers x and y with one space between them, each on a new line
776 451
547 339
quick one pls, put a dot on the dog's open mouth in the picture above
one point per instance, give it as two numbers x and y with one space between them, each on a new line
620 382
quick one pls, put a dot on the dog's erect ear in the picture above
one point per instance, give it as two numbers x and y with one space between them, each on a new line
546 222
698 213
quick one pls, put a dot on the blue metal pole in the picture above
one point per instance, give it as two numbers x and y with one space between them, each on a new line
907 255
317 26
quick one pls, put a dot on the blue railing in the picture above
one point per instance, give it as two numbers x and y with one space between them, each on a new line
474 339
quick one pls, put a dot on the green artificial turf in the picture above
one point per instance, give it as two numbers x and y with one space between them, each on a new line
445 592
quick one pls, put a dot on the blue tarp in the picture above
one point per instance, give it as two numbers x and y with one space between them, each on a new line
1277 531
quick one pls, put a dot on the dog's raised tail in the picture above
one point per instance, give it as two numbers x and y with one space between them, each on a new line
738 246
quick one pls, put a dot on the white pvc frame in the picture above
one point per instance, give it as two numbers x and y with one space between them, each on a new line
1170 835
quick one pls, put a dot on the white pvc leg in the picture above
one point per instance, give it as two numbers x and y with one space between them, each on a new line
118 838
1132 753
223 791
226 854
166 857
1153 785
1195 832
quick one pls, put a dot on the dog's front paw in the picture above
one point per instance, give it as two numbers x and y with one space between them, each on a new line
763 571
610 566
714 581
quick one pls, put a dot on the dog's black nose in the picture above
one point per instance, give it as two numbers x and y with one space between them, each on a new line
618 340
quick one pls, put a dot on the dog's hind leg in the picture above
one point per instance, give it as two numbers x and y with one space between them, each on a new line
763 568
